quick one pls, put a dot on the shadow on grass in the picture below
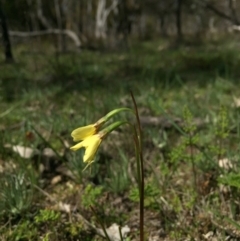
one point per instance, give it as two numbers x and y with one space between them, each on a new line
114 71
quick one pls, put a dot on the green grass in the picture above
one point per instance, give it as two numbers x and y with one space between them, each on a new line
44 96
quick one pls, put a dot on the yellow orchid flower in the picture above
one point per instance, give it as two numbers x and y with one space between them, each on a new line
91 144
90 137
82 133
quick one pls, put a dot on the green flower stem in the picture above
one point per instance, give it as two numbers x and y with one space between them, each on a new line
112 127
108 116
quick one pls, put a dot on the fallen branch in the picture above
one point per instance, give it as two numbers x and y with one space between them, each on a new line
72 35
166 123
235 27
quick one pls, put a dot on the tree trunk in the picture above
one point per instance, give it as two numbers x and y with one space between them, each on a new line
179 18
124 24
80 9
61 39
231 5
100 23
101 17
163 30
41 17
5 36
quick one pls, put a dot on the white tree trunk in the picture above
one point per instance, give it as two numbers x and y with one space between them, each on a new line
101 17
40 15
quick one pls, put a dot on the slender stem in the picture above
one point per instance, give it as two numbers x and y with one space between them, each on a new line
192 160
140 156
120 233
137 159
101 223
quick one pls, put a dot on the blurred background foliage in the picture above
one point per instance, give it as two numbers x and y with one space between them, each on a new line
110 24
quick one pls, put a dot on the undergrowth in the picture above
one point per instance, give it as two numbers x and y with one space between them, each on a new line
190 150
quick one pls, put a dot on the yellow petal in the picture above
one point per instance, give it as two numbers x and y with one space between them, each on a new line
83 132
77 146
92 143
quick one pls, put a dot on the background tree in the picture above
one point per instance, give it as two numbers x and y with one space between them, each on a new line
179 4
5 36
115 21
